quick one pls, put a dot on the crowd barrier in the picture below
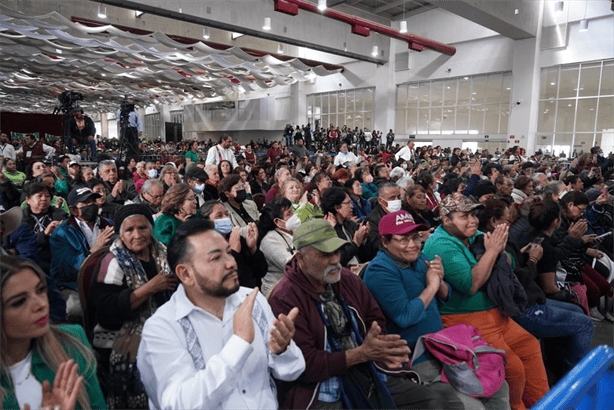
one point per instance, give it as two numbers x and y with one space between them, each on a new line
589 385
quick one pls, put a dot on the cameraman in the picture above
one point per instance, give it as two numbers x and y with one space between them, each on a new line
82 131
133 126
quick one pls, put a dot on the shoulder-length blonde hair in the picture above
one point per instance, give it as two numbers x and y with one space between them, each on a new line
174 197
52 346
282 192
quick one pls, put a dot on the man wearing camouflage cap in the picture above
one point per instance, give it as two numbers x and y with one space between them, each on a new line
341 331
469 304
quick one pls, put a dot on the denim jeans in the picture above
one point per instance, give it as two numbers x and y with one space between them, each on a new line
560 320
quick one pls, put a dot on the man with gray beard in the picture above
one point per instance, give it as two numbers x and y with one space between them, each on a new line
341 331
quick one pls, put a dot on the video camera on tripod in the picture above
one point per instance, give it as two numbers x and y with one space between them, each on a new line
67 100
125 108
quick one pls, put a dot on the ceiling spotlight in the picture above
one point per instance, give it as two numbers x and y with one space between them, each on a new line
375 51
102 12
403 28
583 25
280 49
206 34
321 5
558 6
138 13
267 23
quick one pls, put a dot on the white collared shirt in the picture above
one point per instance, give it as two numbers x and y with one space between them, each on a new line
90 235
405 153
214 153
235 373
343 157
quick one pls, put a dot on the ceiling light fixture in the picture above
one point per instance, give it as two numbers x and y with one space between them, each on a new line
102 12
138 13
280 49
403 23
584 21
403 27
206 34
267 23
375 51
558 6
321 5
235 36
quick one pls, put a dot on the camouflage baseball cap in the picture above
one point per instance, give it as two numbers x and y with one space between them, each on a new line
457 202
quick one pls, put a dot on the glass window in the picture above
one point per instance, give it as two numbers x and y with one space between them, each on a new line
368 106
545 121
400 121
325 121
589 80
544 142
359 99
412 121
449 92
568 86
435 124
425 94
494 89
607 78
583 142
423 121
333 103
462 120
349 120
585 116
368 121
506 91
349 101
449 118
478 89
549 83
436 93
491 120
341 102
318 102
504 119
605 118
325 106
413 95
476 119
464 91
562 143
565 115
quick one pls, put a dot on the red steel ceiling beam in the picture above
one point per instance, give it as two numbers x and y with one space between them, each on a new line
364 27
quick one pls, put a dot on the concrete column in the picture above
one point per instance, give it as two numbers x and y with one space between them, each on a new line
525 99
385 94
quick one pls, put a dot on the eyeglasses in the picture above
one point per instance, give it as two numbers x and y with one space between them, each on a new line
154 196
405 240
346 203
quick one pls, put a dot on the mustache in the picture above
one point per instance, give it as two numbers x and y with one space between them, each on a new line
230 273
331 268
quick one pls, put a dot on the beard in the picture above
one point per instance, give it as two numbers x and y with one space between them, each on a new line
218 290
328 270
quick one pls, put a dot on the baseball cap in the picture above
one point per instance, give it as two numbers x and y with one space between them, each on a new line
399 223
81 195
457 202
196 173
71 163
319 234
528 164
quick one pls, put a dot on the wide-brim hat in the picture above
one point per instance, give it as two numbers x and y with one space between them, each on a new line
11 219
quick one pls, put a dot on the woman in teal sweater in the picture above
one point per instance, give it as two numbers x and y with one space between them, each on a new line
34 352
178 206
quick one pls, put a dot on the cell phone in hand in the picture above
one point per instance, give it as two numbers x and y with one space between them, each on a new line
604 235
537 241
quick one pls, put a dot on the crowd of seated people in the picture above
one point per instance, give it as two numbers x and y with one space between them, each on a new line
356 252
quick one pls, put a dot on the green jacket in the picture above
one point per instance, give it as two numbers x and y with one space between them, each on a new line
165 227
41 372
457 261
192 155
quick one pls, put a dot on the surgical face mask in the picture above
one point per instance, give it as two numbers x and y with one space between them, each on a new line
152 173
394 205
549 174
247 168
199 188
293 222
404 166
89 213
600 154
241 195
223 225
369 179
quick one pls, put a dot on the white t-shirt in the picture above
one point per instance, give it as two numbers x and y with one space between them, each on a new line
28 390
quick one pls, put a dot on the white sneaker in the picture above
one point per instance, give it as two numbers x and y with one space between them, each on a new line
595 315
609 317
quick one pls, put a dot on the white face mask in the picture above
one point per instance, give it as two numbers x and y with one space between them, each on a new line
293 222
199 188
394 206
152 173
223 225
549 174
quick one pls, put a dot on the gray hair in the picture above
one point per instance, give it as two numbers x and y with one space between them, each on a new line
142 163
552 188
150 183
106 162
405 182
537 175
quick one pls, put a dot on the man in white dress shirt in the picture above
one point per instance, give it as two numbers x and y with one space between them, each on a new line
222 151
214 344
344 156
407 152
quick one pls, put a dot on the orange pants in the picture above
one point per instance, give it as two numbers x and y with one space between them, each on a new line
525 372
